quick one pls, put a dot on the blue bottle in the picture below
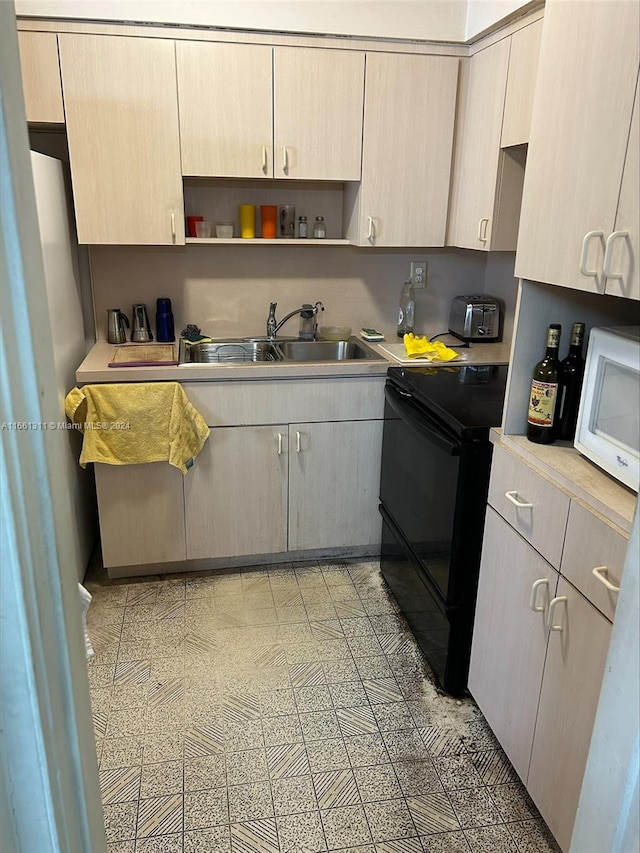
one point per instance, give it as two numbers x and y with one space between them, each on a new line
164 321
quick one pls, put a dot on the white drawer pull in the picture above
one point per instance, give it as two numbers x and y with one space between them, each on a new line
534 594
298 441
513 497
279 444
585 249
552 607
600 572
606 264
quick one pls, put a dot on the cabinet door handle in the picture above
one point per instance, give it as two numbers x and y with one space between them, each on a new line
279 444
285 159
606 264
298 441
370 229
600 572
513 497
483 227
534 594
173 227
585 248
552 608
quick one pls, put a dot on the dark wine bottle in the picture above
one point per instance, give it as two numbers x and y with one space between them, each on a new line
543 399
570 385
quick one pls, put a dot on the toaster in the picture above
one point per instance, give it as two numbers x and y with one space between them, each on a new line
475 318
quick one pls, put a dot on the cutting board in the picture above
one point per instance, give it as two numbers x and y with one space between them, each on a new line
144 355
398 352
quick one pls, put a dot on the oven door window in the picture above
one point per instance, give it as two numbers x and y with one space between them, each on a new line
420 465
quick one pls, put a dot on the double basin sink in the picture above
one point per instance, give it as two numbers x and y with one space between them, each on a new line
264 350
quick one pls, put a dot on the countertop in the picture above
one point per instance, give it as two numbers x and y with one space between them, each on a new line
95 367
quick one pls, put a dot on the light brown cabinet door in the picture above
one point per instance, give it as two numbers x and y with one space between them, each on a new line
122 126
478 159
573 674
509 638
141 510
521 81
226 109
41 77
318 97
334 480
580 127
409 118
236 494
622 276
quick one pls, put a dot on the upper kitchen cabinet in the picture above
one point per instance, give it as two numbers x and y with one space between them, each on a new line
409 117
317 120
226 109
521 81
579 141
487 185
41 77
122 126
251 111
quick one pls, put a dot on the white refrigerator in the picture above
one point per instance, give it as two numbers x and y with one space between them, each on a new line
66 294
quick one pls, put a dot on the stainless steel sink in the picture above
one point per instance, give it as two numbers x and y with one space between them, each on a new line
324 350
263 350
229 352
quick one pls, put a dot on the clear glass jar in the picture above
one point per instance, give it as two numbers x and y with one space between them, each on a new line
319 228
302 226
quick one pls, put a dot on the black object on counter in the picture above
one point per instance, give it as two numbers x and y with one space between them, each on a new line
165 332
436 458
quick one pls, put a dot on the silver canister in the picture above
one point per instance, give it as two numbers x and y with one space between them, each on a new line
117 324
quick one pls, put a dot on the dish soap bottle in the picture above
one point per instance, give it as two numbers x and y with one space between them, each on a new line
406 310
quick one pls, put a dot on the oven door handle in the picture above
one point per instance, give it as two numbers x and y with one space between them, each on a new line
420 421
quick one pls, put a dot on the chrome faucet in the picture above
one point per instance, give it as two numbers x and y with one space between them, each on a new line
307 324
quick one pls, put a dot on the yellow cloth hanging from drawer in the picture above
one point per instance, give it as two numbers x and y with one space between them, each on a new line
137 422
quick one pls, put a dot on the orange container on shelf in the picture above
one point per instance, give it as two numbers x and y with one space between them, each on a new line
268 219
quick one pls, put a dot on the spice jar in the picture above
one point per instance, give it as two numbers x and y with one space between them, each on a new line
302 226
319 228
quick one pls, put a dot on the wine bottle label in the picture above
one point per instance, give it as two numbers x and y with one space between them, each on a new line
542 403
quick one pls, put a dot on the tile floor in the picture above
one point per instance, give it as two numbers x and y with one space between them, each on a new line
287 709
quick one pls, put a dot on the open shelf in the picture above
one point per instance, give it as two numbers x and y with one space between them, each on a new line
280 241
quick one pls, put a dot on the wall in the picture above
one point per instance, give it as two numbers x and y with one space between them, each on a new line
226 290
435 20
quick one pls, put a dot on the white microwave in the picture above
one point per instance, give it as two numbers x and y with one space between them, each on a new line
608 430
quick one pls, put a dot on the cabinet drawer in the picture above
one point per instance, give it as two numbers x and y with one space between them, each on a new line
531 504
590 544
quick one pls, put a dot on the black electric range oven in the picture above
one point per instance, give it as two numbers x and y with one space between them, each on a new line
436 458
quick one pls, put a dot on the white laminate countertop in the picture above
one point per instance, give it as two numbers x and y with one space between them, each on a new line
95 367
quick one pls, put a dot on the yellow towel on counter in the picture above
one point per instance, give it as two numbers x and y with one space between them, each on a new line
422 347
137 422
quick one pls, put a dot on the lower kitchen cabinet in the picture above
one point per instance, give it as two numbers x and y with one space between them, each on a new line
334 479
539 645
271 489
510 637
141 511
236 493
573 672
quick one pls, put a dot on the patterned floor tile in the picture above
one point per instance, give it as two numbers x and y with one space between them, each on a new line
357 721
257 836
121 752
287 760
474 807
432 813
313 698
282 730
122 784
326 629
364 750
446 842
159 816
417 777
160 844
250 802
204 773
242 734
513 802
340 670
457 771
205 808
319 724
345 826
293 795
336 788
348 694
376 666
377 782
301 832
441 741
330 650
327 755
161 779
493 767
203 740
120 821
364 647
405 745
491 839
277 703
393 716
532 837
215 839
245 767
382 690
389 820
306 674
122 846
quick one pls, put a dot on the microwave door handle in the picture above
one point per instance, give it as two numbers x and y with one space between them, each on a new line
420 421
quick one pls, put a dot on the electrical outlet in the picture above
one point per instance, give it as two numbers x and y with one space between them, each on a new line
419 273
